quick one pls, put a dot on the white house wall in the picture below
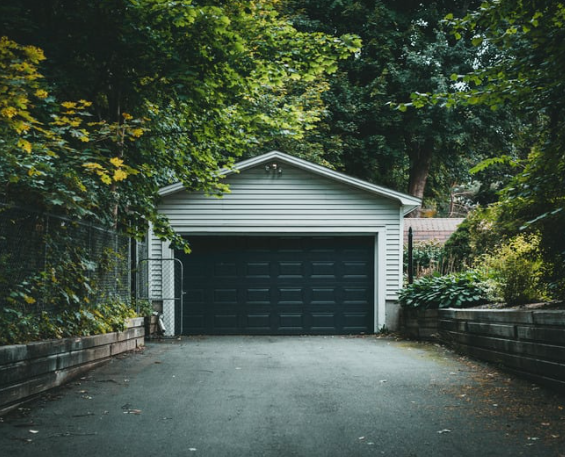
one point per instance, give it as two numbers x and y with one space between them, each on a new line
295 201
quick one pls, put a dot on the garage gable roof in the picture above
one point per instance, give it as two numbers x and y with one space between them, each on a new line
408 202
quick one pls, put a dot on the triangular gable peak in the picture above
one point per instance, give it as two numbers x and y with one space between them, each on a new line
408 202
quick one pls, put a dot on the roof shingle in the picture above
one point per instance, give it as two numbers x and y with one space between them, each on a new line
426 228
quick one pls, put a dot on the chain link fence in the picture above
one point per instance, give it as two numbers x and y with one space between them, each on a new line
160 282
48 261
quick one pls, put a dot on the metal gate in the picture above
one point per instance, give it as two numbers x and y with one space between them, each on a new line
160 282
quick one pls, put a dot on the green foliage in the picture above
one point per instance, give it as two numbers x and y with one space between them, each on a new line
475 236
525 76
19 326
52 154
70 274
427 257
458 290
405 49
144 308
534 203
516 268
175 91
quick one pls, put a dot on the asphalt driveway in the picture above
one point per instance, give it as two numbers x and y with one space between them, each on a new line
290 396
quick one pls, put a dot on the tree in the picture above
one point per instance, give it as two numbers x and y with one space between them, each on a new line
195 78
41 161
525 76
424 152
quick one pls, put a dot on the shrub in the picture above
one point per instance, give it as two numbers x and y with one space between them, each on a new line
459 290
476 235
19 326
516 267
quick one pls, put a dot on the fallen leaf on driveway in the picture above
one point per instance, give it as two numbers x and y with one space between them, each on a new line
133 411
34 431
445 430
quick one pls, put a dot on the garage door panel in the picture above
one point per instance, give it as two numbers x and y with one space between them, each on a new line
225 297
355 270
323 321
257 270
288 296
291 321
257 296
225 270
283 285
197 324
258 321
356 296
323 297
290 269
324 270
225 321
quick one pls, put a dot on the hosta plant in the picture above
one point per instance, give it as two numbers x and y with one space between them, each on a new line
459 290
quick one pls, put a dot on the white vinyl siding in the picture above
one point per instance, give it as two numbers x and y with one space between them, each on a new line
296 201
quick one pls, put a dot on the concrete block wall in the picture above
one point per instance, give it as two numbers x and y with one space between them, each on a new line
29 369
530 343
421 324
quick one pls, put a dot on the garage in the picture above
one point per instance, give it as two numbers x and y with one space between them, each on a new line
278 285
293 248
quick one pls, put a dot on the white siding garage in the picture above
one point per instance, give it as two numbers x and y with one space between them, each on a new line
286 218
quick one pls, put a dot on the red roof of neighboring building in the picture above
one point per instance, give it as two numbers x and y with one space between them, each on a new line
431 228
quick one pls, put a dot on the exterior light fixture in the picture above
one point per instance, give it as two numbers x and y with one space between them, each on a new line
273 168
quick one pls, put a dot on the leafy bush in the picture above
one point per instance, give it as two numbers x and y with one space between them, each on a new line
517 268
459 290
19 326
476 235
144 308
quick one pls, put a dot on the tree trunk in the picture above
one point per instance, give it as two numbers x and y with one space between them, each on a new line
420 162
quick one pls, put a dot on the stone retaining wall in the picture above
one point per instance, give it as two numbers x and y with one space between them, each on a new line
530 343
29 369
421 324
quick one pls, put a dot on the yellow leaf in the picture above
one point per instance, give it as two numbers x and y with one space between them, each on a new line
25 145
68 105
137 132
21 126
29 299
9 112
35 54
105 178
120 175
93 166
40 93
116 161
127 116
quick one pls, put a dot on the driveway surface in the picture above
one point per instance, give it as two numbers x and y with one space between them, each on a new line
290 396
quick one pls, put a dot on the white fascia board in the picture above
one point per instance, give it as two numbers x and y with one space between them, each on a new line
407 201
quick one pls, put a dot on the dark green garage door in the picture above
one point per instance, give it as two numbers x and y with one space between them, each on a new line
279 285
